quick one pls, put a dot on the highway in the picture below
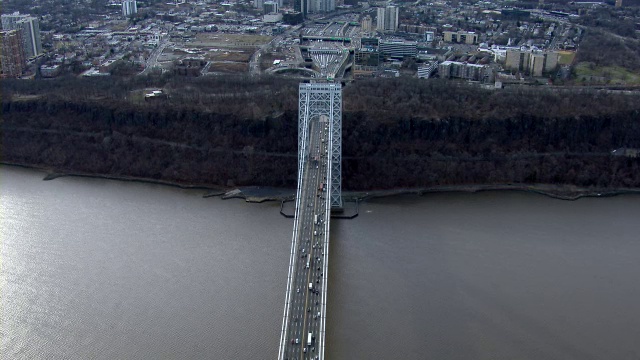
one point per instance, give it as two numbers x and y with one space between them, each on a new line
152 61
254 61
305 307
328 59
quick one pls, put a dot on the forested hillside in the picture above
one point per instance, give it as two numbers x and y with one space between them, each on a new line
242 131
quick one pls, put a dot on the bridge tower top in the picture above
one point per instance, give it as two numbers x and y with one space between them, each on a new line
323 100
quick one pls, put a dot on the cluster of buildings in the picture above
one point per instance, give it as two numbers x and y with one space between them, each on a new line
270 9
474 41
20 41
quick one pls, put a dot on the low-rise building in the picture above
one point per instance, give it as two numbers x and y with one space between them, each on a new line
272 18
366 63
429 36
425 71
189 67
461 70
49 71
399 48
463 37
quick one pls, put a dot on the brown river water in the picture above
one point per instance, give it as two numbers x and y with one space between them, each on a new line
102 269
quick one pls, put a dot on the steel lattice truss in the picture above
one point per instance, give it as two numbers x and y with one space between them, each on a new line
315 101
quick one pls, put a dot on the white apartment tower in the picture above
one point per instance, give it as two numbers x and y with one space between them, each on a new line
367 24
30 29
380 19
129 7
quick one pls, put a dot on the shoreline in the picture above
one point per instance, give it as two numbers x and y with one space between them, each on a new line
260 194
52 174
559 192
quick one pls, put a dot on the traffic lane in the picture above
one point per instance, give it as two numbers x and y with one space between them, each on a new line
307 188
310 253
314 259
300 239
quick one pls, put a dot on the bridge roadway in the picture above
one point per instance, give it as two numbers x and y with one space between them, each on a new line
305 305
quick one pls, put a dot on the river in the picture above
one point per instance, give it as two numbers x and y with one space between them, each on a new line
101 269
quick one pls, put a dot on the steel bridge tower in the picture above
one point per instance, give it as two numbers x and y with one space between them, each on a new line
322 100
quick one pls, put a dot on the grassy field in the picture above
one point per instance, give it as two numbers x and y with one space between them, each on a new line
23 97
266 61
137 96
566 57
237 55
588 72
230 67
229 53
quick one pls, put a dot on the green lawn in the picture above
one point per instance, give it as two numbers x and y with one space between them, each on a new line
588 72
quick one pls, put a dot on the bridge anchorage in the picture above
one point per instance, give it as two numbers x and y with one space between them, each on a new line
319 193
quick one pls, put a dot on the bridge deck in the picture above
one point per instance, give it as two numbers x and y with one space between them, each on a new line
305 305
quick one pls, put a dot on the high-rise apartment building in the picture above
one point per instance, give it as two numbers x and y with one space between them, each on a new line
129 7
301 7
30 32
12 61
367 24
314 6
9 20
535 63
387 19
31 37
380 19
329 5
392 13
270 7
321 6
